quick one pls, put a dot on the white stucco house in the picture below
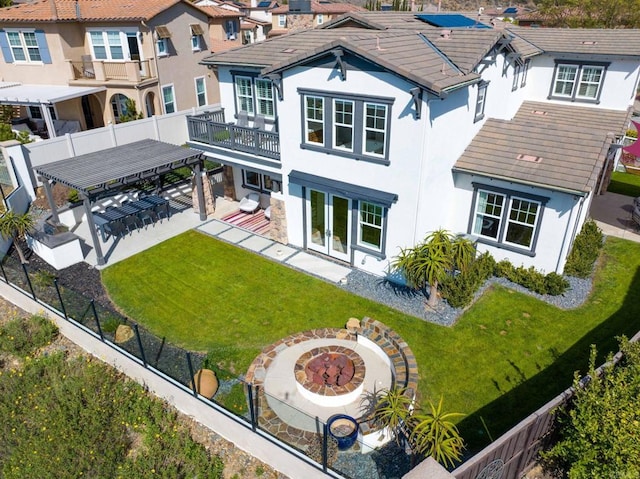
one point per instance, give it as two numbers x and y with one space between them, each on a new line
367 134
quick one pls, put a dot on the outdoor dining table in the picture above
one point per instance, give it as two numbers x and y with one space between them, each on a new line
127 209
102 218
158 201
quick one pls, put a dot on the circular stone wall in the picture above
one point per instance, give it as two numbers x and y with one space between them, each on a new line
330 375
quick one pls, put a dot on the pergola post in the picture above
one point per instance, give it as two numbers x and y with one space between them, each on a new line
46 115
49 194
92 229
200 190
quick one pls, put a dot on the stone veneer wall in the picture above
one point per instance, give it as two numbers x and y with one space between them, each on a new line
209 198
278 231
228 183
300 21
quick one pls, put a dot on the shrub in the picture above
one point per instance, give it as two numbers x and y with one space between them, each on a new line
23 337
111 323
504 269
585 251
73 196
556 284
460 289
531 279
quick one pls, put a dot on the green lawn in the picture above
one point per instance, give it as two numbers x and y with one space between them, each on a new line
624 184
503 359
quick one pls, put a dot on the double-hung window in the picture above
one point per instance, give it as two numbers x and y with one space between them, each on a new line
507 218
196 36
351 125
24 46
107 45
254 96
370 225
201 91
257 181
481 100
578 81
168 99
343 124
282 21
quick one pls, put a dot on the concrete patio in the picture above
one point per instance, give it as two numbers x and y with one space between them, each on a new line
612 213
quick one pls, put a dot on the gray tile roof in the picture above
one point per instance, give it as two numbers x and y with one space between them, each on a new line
593 41
571 141
95 172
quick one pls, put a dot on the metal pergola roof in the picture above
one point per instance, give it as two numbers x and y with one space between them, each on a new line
113 168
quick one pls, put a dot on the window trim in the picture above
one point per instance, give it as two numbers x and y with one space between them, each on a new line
204 90
482 87
359 223
252 77
122 36
358 151
165 52
509 195
525 71
319 18
365 128
262 186
580 66
23 45
343 124
282 21
173 98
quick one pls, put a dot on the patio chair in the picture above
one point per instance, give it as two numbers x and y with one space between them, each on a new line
115 229
250 203
259 123
132 223
243 119
147 217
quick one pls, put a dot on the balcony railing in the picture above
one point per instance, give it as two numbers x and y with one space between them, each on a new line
210 128
99 70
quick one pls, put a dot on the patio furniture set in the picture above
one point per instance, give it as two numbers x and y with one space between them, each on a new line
117 221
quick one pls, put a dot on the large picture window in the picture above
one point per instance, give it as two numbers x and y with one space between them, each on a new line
370 225
351 125
578 82
506 217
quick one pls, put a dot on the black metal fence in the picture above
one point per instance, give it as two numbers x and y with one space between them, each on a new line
179 366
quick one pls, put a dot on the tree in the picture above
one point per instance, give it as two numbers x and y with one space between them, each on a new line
591 13
429 262
392 409
15 227
599 430
131 113
5 3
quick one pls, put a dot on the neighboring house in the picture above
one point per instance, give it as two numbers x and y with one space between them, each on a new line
382 127
75 63
255 17
305 14
225 30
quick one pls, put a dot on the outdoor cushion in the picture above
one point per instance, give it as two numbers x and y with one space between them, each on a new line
250 203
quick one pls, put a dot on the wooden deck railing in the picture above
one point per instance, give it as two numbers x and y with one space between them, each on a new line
211 129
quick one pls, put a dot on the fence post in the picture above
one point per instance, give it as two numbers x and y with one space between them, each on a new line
26 273
193 377
95 316
252 406
325 446
144 360
64 310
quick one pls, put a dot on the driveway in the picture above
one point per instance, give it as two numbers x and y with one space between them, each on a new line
612 213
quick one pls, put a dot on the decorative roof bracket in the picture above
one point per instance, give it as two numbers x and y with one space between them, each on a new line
276 80
416 93
338 53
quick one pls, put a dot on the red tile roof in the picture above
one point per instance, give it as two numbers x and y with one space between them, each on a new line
86 10
219 12
324 7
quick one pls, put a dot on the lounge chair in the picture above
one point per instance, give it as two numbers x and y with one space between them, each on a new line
250 203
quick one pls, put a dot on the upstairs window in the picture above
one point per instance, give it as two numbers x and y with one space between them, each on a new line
255 96
162 40
314 122
107 45
24 46
196 36
375 128
169 99
320 18
231 30
244 94
343 124
282 21
578 81
481 100
201 91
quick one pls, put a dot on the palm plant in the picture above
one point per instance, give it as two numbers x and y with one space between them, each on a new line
15 226
435 434
429 262
392 411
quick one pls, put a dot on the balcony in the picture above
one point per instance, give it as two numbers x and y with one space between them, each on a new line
134 71
210 128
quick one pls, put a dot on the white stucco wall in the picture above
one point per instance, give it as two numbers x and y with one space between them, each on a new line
618 89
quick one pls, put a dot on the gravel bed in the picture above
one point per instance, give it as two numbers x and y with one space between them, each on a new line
413 302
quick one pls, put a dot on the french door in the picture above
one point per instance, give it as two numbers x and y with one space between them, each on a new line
328 224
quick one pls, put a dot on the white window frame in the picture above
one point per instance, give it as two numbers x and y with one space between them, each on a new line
108 47
514 221
589 82
578 81
202 93
320 18
477 227
481 101
173 98
282 21
314 119
196 44
162 47
375 128
264 100
365 217
244 97
264 182
24 47
565 75
342 124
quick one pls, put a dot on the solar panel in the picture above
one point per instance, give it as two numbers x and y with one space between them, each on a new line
511 10
264 4
450 20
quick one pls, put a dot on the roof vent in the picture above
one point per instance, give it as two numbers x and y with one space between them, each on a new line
446 34
589 42
539 112
530 158
288 50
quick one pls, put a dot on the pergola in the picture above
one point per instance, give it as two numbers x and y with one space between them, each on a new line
97 173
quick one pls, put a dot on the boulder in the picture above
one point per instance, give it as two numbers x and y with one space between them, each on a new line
123 333
206 382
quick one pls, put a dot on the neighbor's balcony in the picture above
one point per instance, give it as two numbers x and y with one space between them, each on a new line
133 71
210 128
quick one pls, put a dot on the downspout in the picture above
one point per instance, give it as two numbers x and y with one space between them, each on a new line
573 235
426 114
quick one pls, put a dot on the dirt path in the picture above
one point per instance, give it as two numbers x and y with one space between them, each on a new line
237 463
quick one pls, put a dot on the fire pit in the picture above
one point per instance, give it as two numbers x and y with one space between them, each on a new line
330 375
